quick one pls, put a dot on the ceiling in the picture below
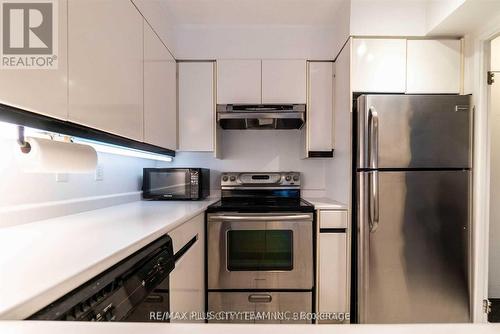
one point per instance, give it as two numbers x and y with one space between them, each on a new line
252 12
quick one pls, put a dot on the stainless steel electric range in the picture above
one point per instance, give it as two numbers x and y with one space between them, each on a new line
260 250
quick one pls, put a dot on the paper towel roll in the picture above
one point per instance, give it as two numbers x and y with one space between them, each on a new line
50 156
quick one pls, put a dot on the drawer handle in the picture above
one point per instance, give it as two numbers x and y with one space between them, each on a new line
260 298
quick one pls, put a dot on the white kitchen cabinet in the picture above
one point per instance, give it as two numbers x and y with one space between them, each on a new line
43 91
284 81
379 65
105 51
160 92
333 273
196 106
332 219
239 81
434 66
319 123
187 281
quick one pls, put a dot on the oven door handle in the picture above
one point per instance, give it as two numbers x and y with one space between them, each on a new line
259 218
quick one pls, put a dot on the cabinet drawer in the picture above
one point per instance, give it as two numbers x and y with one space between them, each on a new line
260 302
332 219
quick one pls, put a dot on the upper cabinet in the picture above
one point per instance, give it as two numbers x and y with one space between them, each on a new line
160 92
261 81
196 106
283 81
379 65
106 66
434 66
239 81
44 91
320 109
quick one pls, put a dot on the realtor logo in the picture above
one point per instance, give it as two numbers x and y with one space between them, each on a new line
29 34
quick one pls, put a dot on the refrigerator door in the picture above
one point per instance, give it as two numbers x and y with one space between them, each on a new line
413 246
414 131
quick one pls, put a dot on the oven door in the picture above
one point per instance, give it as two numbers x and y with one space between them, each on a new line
260 251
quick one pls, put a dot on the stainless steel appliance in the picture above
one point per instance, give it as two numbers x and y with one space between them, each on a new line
176 183
260 246
245 116
130 291
412 190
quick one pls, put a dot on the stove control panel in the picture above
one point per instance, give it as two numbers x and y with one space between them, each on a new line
260 179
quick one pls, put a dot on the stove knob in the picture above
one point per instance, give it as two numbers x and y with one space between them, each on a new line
225 178
232 178
295 177
288 178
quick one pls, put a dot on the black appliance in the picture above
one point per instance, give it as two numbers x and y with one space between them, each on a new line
131 291
176 183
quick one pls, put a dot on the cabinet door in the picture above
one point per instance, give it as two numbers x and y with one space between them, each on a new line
160 92
44 91
196 106
284 81
332 290
379 65
434 66
105 49
320 106
187 281
239 81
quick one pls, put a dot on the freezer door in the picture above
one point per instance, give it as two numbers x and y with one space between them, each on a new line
414 131
413 246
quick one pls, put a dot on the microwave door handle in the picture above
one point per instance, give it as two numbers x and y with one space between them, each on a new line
258 218
373 137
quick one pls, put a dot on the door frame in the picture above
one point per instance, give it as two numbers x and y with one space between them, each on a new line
478 65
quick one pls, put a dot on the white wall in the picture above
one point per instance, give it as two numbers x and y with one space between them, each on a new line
438 10
26 197
342 28
388 18
253 41
494 244
259 150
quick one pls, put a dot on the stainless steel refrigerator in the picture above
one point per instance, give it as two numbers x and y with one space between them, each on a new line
412 208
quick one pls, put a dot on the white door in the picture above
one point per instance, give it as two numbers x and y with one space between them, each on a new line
379 65
239 81
434 66
320 106
196 106
332 290
105 48
284 81
160 92
42 91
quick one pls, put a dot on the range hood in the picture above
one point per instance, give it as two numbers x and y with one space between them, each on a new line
261 116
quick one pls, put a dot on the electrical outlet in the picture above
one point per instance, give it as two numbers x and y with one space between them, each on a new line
62 177
99 173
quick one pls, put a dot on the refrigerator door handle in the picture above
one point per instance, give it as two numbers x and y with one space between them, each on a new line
373 137
374 201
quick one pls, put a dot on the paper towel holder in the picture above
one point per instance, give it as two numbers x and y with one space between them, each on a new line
24 145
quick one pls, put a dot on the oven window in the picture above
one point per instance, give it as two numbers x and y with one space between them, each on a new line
169 183
258 250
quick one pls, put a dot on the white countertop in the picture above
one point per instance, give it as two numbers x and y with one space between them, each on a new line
44 260
34 327
324 203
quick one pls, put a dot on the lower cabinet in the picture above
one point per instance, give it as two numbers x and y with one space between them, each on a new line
187 281
333 262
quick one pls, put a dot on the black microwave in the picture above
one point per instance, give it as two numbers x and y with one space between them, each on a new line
176 183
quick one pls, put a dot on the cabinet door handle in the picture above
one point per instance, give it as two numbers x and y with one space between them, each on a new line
260 298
